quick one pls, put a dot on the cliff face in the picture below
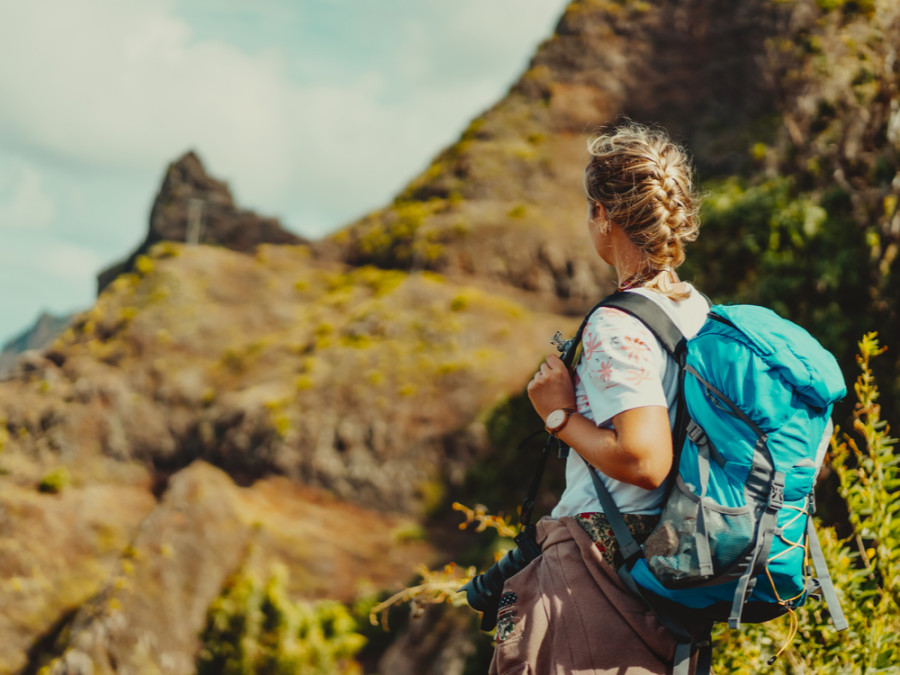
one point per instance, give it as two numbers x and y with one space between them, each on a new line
365 385
312 403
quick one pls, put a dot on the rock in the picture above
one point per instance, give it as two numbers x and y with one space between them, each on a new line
195 208
56 552
151 611
148 615
436 643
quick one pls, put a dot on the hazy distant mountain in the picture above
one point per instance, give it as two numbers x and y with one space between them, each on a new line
47 327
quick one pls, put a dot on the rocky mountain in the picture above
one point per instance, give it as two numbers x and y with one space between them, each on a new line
505 202
190 207
225 410
195 208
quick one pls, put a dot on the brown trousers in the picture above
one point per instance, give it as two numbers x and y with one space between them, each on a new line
568 613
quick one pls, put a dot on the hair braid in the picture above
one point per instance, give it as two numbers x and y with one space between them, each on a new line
645 182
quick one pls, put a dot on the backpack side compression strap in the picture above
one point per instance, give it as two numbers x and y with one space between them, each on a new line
825 583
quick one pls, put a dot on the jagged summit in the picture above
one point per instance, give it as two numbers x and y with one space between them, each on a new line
36 337
193 207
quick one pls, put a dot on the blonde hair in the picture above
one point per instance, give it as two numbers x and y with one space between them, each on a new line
644 181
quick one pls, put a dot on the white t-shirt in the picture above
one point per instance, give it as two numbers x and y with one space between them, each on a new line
623 366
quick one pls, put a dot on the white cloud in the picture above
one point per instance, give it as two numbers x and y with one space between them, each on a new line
105 83
124 84
479 38
314 123
69 263
24 203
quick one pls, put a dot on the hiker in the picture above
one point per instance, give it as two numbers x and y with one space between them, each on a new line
568 612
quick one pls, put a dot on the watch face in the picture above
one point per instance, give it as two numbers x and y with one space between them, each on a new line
556 418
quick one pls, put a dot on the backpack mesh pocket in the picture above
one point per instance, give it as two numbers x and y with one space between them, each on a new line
673 550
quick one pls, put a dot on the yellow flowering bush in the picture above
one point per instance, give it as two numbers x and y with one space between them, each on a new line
865 566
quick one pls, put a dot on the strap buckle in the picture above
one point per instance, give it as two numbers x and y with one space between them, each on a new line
776 495
696 434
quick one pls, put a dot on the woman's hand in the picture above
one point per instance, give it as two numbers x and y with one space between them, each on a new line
637 449
551 387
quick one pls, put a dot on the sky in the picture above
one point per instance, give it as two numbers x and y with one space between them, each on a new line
313 111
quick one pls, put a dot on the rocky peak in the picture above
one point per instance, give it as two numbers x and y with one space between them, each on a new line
193 207
689 65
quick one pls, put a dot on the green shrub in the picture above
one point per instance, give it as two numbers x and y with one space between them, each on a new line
55 481
254 628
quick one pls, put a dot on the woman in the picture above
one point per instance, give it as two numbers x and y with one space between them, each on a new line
567 612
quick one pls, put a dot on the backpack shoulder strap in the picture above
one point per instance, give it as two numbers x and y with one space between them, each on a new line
673 340
644 310
651 315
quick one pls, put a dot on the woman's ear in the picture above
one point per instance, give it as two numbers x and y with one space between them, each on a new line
600 216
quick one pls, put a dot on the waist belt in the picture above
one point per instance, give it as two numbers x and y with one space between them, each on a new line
600 531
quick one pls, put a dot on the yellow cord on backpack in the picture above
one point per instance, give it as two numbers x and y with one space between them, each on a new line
794 619
792 633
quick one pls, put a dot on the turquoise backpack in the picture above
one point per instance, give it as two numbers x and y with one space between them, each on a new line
732 543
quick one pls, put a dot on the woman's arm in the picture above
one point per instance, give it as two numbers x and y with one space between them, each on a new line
638 450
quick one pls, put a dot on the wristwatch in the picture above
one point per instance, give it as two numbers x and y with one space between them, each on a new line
558 419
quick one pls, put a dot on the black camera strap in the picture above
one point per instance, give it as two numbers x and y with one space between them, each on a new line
528 503
570 352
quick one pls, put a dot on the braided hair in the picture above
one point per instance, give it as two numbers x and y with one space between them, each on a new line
645 183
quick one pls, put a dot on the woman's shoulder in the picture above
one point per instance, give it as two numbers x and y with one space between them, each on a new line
611 330
613 320
688 314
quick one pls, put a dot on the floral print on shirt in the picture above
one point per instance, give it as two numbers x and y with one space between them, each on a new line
616 347
621 366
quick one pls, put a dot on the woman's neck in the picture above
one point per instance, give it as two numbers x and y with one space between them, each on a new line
627 258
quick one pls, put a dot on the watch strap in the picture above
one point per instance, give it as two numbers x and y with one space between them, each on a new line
555 430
